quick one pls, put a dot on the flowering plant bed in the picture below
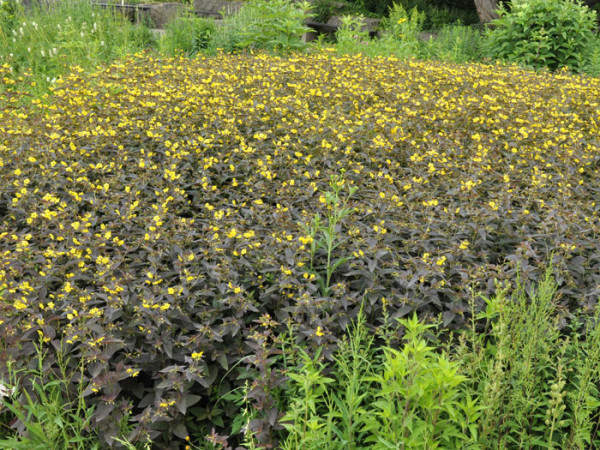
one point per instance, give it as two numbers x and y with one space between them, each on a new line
165 220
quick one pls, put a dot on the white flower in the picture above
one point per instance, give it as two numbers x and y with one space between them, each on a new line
5 391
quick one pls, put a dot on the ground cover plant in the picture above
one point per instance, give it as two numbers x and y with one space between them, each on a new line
163 221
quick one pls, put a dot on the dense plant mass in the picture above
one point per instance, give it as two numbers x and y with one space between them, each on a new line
164 220
544 33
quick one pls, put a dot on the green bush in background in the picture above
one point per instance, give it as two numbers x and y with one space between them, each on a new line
544 33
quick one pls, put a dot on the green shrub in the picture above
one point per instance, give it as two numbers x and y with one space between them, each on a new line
260 24
351 37
10 11
420 402
438 14
48 408
230 33
593 64
403 26
400 34
543 33
375 396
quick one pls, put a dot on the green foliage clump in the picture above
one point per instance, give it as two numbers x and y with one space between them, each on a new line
401 25
400 34
278 25
351 36
187 35
536 378
419 400
10 11
442 13
49 409
543 33
453 43
266 25
376 396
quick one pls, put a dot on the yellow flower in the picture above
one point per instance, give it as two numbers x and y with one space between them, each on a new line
19 305
319 332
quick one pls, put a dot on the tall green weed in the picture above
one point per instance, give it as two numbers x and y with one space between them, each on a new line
42 414
453 43
516 379
400 34
49 41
